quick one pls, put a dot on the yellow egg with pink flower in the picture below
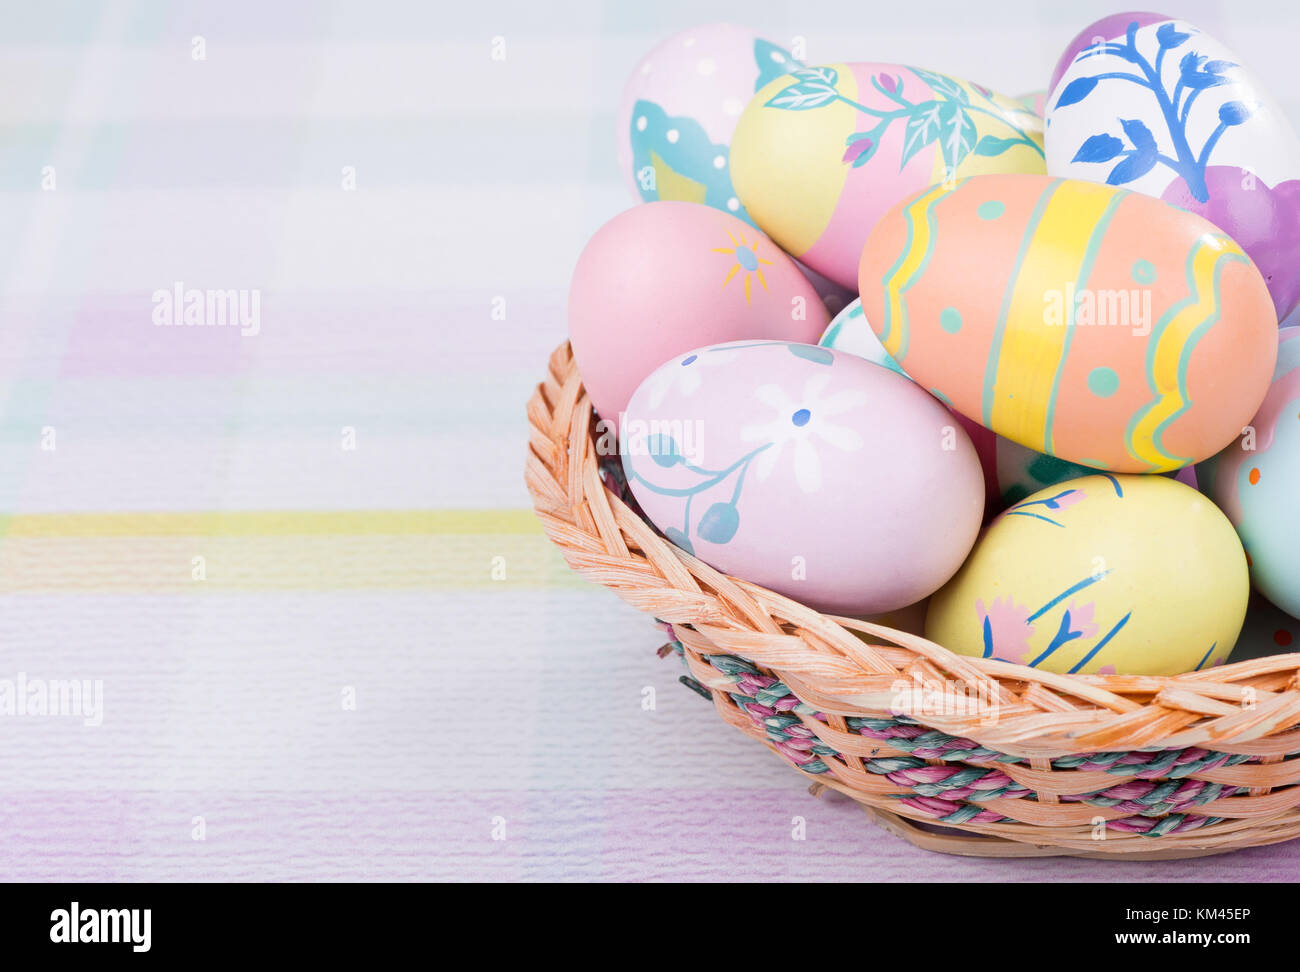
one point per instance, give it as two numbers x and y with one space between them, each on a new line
1109 574
822 153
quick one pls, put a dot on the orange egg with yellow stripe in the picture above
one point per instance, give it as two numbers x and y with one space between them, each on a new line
1094 324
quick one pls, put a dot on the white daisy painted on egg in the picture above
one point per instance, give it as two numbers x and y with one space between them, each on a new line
803 422
687 377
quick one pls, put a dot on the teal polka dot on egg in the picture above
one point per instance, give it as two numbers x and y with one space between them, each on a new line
991 209
1103 382
1144 272
950 320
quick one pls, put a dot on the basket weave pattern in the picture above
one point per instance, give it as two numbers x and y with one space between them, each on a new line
1038 763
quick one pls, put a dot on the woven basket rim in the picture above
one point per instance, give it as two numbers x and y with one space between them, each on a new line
1250 707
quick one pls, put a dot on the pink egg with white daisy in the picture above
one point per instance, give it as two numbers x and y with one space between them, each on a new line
812 472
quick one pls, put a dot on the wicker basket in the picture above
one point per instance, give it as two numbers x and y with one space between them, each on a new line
984 757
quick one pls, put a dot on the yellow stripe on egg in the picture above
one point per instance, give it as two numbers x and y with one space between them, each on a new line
904 272
1175 336
1033 350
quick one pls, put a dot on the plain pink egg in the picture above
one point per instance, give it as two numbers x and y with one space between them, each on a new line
665 277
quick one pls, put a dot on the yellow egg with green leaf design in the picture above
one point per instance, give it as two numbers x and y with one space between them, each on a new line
821 153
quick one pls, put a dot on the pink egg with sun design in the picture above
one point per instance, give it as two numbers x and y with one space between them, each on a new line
664 277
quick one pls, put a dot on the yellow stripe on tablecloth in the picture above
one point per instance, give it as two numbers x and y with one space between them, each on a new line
208 552
248 523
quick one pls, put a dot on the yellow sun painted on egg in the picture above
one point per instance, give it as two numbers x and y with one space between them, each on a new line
746 259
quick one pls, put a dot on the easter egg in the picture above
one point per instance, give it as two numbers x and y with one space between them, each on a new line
1022 471
1256 482
1128 575
1035 101
1083 321
1158 106
679 109
1011 471
821 153
665 277
1107 28
811 472
1267 631
850 332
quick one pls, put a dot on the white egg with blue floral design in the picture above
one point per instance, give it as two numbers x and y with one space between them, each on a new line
1159 106
809 471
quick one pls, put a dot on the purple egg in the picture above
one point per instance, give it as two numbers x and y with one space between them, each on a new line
1265 221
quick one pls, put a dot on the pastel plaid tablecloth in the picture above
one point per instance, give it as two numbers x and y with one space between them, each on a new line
297 555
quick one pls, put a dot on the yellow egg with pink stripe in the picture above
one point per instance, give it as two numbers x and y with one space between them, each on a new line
821 153
1090 323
